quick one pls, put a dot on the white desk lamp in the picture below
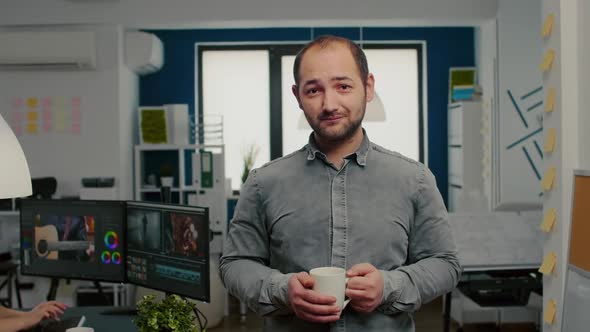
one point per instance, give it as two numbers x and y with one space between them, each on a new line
15 179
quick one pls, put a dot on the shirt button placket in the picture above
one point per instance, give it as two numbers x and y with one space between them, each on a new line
339 225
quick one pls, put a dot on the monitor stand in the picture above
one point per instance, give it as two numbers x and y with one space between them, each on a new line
123 311
120 311
53 289
51 295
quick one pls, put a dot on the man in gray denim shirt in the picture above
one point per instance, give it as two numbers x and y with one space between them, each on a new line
339 201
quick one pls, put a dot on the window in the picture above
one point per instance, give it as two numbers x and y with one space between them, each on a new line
235 87
250 85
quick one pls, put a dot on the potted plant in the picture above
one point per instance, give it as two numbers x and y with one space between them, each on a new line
249 159
173 314
166 175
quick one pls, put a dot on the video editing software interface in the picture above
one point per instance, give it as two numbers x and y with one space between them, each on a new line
168 248
73 239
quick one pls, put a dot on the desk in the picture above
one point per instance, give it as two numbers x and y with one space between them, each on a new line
102 323
512 285
505 246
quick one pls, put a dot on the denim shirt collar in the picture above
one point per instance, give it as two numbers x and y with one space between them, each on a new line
360 155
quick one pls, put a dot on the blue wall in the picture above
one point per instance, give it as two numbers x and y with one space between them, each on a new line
445 47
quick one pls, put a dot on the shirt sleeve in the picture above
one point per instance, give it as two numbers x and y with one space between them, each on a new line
244 265
433 268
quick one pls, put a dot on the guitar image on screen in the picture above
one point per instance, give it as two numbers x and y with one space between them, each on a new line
47 244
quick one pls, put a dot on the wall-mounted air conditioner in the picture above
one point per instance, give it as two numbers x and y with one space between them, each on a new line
144 52
47 50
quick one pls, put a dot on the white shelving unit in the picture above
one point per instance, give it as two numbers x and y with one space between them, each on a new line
465 146
181 188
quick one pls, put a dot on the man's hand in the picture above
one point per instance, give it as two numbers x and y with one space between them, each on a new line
364 288
309 305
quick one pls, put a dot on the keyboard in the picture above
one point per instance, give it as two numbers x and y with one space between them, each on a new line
57 325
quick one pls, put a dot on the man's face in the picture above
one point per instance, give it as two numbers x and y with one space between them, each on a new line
331 92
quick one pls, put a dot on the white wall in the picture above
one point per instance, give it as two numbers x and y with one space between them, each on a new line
583 69
103 146
519 47
128 102
231 13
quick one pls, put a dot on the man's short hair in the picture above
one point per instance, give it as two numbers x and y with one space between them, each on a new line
327 40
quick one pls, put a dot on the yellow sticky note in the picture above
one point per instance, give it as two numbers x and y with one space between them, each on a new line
548 60
550 101
547 183
548 26
549 220
550 310
32 102
548 263
550 140
32 116
32 128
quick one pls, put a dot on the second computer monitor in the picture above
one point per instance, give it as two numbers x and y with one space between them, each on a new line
168 248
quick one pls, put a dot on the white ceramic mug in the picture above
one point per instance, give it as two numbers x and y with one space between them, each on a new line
331 281
80 329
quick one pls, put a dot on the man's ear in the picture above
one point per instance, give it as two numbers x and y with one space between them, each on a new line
370 87
296 94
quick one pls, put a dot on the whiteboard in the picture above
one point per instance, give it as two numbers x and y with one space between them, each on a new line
517 135
500 240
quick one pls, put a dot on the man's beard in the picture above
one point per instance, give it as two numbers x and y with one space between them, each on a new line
346 133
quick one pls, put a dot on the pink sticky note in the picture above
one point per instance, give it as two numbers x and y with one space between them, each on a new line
17 103
17 116
46 102
76 101
46 114
76 115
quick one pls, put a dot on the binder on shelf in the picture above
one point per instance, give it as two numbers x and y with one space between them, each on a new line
206 169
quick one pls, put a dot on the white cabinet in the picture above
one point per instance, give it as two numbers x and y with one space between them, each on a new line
465 157
194 168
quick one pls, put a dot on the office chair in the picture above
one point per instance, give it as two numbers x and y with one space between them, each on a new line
9 269
44 188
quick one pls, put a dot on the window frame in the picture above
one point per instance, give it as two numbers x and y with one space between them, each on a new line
276 51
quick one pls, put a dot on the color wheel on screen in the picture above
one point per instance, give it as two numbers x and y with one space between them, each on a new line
111 240
116 258
105 257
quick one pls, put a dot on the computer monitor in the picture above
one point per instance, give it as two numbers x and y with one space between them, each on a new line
73 239
168 248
